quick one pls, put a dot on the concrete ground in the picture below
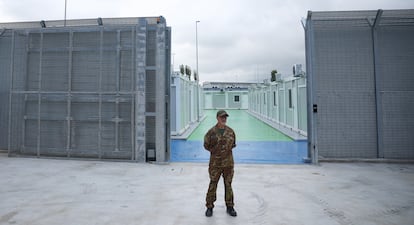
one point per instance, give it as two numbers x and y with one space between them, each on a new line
50 191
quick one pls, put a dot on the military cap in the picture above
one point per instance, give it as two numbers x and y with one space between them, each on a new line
222 113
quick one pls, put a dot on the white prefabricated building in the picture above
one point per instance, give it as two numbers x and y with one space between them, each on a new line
186 103
226 95
282 102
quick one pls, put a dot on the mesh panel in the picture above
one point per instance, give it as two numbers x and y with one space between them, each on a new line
398 123
344 74
353 66
5 62
151 47
150 91
396 57
55 71
150 132
79 90
85 71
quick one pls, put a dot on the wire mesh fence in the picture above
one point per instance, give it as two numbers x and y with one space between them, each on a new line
360 83
86 90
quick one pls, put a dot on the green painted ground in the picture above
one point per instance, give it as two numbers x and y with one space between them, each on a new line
246 127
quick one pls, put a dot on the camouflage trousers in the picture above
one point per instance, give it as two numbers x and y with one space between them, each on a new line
215 173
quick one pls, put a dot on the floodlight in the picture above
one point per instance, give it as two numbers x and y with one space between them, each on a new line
43 24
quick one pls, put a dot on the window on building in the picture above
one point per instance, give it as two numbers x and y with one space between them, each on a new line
290 98
274 98
236 98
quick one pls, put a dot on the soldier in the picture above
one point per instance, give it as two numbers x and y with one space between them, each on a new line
220 141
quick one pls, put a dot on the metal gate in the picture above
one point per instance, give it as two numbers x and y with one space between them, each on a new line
360 84
87 89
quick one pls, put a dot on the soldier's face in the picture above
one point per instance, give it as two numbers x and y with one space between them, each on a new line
222 120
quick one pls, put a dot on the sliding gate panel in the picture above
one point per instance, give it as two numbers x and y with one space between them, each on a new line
87 90
395 73
361 92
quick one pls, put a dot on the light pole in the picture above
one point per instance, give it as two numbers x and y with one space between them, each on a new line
64 21
198 74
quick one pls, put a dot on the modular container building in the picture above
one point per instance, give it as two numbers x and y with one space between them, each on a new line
360 84
186 104
226 95
94 88
282 103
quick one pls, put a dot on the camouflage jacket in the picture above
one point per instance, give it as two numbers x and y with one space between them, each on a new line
220 146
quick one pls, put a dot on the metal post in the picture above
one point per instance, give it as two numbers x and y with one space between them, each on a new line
39 95
69 96
133 78
64 21
101 33
198 75
377 80
313 152
11 90
118 88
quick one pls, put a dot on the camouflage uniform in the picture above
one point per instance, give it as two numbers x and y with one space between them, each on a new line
220 146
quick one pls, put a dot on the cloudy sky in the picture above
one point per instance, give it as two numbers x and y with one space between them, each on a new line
238 40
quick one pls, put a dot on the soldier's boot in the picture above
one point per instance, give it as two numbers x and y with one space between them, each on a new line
209 212
231 211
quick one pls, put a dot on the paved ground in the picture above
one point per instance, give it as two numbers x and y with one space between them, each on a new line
257 152
256 141
246 127
48 191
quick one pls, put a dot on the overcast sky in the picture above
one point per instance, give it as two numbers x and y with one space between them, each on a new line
238 40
